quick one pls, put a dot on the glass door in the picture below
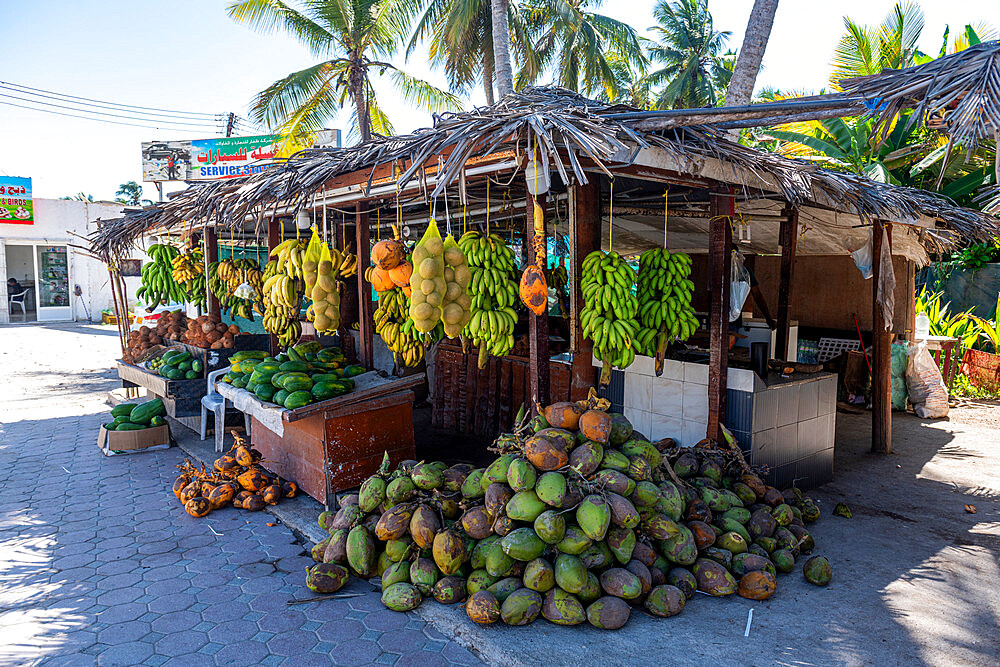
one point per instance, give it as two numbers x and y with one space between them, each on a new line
52 281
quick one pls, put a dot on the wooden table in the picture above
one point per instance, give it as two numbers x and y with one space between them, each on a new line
336 444
946 344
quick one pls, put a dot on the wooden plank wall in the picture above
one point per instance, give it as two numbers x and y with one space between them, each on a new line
484 402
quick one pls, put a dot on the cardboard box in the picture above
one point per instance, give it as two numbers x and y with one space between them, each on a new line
128 442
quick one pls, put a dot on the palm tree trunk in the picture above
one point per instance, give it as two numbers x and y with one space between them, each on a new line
501 48
751 53
356 87
488 80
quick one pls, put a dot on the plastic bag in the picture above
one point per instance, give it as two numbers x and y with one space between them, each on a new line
863 260
924 384
311 259
739 288
899 360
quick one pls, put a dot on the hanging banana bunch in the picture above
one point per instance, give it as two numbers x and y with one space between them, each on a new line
493 288
393 324
284 282
158 284
608 315
664 295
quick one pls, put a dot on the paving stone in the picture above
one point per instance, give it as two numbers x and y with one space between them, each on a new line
241 653
126 654
189 660
402 641
122 613
356 652
121 633
292 642
233 631
119 596
421 659
180 643
176 621
458 654
224 611
171 602
385 619
340 630
283 621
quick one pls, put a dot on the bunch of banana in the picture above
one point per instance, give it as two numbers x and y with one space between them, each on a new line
347 264
187 265
608 315
223 290
456 307
664 294
557 277
158 284
196 292
290 255
494 294
283 297
393 324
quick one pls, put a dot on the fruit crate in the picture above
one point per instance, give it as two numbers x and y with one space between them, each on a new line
181 398
216 359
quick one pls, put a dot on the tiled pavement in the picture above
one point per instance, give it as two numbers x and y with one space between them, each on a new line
99 564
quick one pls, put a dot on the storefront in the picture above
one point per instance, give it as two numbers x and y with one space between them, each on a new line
54 280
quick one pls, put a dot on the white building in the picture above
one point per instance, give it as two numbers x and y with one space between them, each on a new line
39 256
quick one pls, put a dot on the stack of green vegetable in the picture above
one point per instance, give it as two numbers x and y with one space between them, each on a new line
578 519
306 373
177 364
137 416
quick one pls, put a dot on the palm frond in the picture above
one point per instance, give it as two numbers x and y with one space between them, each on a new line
301 102
422 94
267 16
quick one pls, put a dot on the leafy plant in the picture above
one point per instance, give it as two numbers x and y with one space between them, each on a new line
943 322
977 255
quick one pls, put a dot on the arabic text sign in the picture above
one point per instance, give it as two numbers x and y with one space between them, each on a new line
206 159
15 201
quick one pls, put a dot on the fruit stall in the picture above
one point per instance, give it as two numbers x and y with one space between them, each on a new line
456 228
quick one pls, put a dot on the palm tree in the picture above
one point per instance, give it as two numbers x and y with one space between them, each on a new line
751 54
460 40
867 50
501 47
694 68
357 38
632 85
577 44
130 193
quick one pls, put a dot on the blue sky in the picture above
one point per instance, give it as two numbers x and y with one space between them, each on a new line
188 55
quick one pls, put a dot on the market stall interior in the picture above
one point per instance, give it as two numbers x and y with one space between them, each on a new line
588 237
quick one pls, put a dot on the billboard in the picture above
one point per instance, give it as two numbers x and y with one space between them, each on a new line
207 159
15 201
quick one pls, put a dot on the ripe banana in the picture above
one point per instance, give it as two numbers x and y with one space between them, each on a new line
393 324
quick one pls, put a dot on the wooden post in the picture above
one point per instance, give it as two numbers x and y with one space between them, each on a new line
366 320
584 238
274 234
881 354
538 325
720 242
212 255
789 235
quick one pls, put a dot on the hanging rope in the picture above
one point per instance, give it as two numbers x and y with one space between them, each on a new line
611 215
378 224
666 207
487 208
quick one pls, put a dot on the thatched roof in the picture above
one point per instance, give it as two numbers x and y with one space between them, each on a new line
964 88
577 135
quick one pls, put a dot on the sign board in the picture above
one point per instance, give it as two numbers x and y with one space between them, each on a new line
15 201
207 159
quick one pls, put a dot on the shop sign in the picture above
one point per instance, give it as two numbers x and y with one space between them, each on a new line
15 201
207 159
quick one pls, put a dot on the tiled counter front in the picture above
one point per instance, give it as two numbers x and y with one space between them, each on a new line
786 425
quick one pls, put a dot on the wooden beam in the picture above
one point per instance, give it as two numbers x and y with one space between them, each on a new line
720 242
584 238
881 354
274 234
212 255
788 237
366 320
538 325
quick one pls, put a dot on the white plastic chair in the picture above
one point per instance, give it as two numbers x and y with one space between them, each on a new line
18 300
215 403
